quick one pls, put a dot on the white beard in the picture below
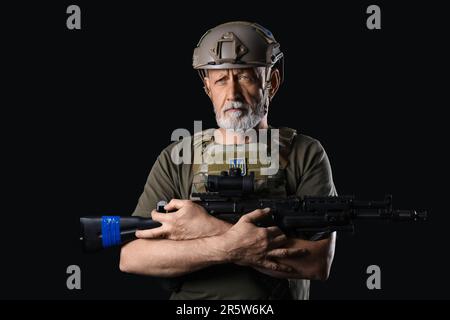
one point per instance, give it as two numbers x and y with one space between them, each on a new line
244 119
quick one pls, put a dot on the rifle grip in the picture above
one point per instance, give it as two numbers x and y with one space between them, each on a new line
160 206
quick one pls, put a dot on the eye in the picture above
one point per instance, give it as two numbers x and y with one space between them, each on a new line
245 77
220 81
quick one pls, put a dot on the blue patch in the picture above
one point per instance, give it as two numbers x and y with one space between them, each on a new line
239 163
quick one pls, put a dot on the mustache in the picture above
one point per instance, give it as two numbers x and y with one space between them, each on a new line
235 105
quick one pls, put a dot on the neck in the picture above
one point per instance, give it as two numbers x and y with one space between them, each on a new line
229 136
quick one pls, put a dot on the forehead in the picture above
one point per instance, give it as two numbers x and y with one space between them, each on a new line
220 72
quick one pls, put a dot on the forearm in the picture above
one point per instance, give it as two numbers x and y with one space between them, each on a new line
315 265
168 258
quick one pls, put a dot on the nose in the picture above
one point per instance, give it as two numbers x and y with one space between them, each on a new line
234 91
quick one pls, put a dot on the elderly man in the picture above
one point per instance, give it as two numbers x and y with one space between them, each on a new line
241 66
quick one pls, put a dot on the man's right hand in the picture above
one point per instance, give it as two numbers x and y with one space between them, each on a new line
249 245
189 221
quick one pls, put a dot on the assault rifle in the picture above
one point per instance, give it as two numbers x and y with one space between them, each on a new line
229 196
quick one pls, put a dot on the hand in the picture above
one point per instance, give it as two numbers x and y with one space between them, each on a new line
249 245
190 221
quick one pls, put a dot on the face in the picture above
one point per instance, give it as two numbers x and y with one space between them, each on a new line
238 97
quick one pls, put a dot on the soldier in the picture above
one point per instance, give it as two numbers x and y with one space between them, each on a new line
241 66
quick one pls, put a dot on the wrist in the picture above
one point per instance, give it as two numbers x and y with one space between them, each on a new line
219 251
220 227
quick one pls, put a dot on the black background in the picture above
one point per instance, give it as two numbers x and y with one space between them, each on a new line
87 112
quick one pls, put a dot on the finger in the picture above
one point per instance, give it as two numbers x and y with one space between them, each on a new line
158 216
287 253
255 215
275 266
155 233
278 241
176 204
274 232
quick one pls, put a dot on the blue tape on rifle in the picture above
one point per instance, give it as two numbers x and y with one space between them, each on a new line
110 231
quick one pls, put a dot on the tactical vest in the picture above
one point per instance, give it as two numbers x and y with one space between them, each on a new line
211 158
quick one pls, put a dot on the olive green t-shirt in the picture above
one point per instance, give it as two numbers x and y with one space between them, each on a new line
308 172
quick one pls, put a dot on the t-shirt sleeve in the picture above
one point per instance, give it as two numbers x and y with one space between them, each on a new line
313 176
316 178
160 185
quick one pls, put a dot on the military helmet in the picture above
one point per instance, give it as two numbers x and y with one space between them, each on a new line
237 44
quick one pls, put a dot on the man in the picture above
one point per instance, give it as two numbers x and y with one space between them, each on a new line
241 66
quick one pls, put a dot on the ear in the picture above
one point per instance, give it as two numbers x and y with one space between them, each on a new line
206 86
275 81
